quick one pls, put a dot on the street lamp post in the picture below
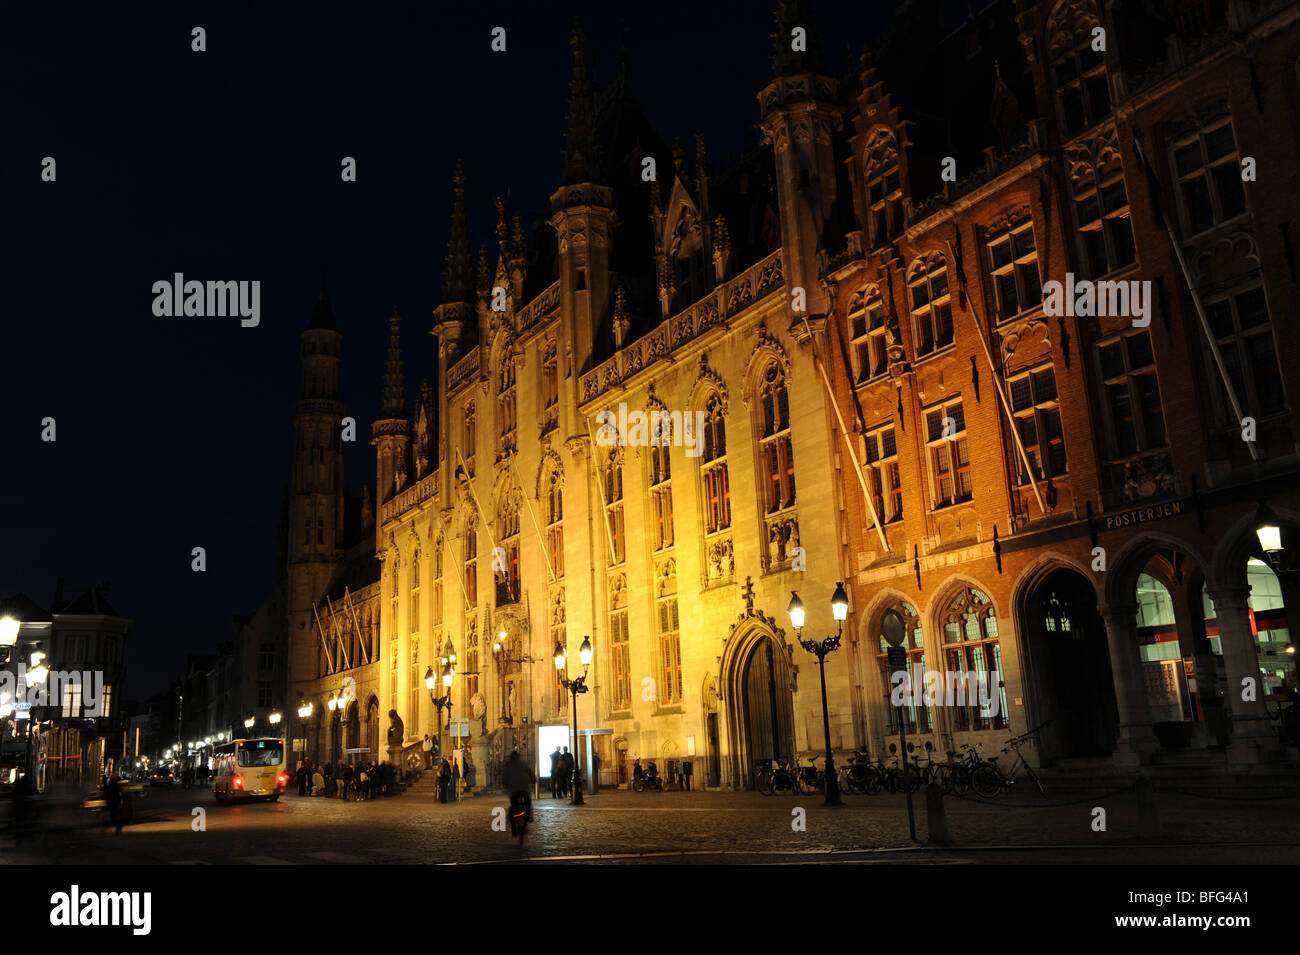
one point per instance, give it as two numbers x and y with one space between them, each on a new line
498 654
894 632
304 714
37 674
820 649
575 687
9 628
443 700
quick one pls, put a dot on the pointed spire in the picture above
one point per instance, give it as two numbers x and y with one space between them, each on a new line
518 247
322 316
503 228
393 404
793 53
582 162
456 278
483 277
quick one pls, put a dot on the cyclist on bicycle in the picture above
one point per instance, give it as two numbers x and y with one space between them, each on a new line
519 781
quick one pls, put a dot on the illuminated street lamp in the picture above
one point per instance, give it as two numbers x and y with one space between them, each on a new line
9 628
248 724
304 714
820 649
575 687
443 700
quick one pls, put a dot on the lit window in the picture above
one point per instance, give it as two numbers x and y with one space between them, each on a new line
1037 410
1013 267
931 305
949 456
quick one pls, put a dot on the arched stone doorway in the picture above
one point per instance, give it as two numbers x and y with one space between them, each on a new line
1070 666
759 679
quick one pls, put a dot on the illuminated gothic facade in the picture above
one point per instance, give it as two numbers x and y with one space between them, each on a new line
1062 502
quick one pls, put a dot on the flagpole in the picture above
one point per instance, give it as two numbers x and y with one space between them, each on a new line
536 526
604 505
1153 184
997 380
482 517
848 441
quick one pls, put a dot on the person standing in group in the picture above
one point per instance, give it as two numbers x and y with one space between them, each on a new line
566 774
318 783
556 760
471 771
444 780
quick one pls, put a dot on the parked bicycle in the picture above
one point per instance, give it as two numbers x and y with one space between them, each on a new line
811 777
771 777
988 778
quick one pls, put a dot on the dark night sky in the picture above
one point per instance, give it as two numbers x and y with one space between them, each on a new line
177 432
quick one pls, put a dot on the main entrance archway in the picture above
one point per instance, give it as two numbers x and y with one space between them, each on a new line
1071 670
759 680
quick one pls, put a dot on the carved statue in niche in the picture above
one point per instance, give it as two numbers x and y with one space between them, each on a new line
396 729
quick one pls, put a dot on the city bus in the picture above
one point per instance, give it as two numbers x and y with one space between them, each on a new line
249 769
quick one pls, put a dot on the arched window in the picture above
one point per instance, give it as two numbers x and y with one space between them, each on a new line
613 490
669 689
414 686
974 662
1078 69
867 331
555 523
661 491
506 408
620 650
550 388
713 467
931 305
393 605
471 566
774 442
415 592
507 579
919 716
437 581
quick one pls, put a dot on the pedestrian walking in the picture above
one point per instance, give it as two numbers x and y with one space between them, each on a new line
113 800
687 770
427 746
556 760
